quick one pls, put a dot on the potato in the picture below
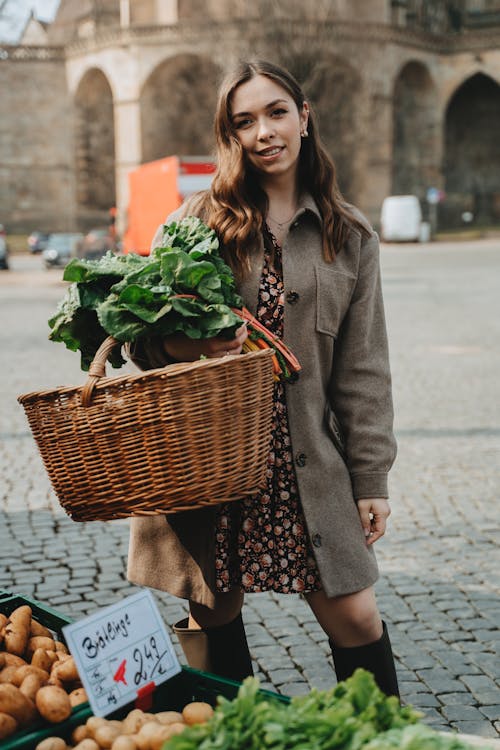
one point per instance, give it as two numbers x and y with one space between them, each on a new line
8 725
14 703
105 735
24 671
93 722
168 717
79 733
30 686
7 675
11 660
17 630
2 660
197 712
38 629
124 742
87 744
52 743
176 728
66 670
39 641
43 659
55 682
53 703
164 733
133 721
61 648
78 696
145 735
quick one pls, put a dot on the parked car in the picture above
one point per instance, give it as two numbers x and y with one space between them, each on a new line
401 219
4 253
61 248
37 241
96 243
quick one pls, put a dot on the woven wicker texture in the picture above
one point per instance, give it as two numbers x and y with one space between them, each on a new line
162 441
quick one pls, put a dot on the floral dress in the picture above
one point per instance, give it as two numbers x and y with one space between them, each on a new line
262 542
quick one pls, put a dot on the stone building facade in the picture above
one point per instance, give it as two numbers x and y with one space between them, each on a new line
407 93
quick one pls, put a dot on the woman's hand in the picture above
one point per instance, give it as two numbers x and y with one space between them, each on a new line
374 513
183 349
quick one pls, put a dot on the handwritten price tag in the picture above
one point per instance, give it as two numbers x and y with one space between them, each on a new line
120 650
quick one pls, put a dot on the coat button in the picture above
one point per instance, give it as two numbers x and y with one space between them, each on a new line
292 297
316 540
301 459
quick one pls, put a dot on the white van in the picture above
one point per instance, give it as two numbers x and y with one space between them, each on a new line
401 219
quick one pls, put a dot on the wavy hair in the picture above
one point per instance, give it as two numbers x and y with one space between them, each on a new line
236 205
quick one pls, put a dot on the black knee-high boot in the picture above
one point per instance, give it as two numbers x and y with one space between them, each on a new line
222 650
375 657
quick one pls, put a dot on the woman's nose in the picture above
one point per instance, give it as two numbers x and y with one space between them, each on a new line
265 130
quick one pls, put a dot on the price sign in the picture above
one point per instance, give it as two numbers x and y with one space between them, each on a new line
121 651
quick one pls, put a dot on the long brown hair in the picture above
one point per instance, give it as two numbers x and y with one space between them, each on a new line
236 205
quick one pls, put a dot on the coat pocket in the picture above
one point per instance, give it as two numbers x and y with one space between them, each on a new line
335 431
333 295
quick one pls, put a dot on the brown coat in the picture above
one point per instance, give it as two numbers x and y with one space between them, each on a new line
340 415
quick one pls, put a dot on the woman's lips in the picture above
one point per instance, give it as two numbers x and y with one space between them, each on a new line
268 154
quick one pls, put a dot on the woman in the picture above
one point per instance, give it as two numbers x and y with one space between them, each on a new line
307 266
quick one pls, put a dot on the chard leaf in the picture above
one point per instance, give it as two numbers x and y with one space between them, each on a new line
189 307
119 322
144 303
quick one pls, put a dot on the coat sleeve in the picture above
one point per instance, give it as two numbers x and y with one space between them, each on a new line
360 388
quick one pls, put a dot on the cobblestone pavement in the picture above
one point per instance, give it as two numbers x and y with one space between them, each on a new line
439 588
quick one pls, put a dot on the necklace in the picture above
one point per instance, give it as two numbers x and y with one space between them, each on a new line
281 224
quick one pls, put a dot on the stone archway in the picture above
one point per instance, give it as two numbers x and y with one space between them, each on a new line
95 149
416 147
472 152
177 108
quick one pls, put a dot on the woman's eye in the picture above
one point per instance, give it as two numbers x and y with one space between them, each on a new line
242 124
279 112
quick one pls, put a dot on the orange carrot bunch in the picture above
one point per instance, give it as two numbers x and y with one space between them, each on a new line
285 364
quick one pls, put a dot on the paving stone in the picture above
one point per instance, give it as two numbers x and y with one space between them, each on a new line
491 712
295 688
479 684
420 660
431 715
462 713
421 700
440 681
282 676
479 728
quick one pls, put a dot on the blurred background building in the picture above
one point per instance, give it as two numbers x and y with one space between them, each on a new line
407 93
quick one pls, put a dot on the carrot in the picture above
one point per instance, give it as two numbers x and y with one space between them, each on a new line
289 357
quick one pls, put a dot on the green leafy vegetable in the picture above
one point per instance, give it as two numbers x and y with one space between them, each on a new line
183 286
349 716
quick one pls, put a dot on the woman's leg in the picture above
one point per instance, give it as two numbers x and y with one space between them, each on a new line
357 636
227 608
351 620
214 640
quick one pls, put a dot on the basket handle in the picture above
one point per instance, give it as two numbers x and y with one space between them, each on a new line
97 369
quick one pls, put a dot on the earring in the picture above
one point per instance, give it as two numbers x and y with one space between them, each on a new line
304 133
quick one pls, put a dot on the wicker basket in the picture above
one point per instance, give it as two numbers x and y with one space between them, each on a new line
162 441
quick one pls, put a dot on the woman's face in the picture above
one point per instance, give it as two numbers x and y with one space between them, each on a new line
267 123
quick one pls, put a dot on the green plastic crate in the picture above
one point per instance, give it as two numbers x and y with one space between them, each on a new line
27 739
172 695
